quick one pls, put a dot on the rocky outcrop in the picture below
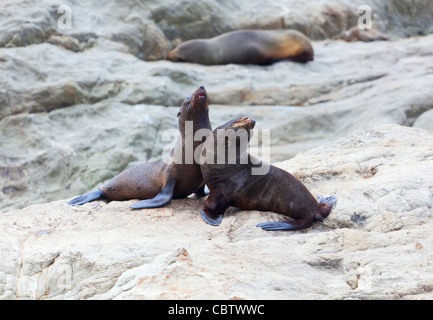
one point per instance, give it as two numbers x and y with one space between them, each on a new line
81 102
66 130
147 29
79 26
79 105
425 120
375 244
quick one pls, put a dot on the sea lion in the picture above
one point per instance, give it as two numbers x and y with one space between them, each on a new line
159 181
246 47
235 185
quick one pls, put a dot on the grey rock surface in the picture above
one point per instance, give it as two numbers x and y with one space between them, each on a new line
67 130
425 120
375 244
79 105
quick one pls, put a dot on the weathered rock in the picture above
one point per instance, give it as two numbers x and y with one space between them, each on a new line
425 120
40 165
356 34
31 22
79 105
317 19
147 28
340 71
24 23
376 243
349 86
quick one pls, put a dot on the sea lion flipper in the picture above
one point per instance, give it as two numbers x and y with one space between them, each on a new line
326 205
212 219
292 225
329 201
214 208
160 199
90 196
271 226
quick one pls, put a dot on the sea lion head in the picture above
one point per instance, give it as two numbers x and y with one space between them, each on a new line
239 127
172 56
230 142
299 47
243 122
199 99
195 105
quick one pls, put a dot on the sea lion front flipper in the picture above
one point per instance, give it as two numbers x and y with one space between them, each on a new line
214 208
160 199
292 225
211 218
90 196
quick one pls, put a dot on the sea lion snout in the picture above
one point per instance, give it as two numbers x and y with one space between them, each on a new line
171 55
200 94
251 123
244 122
197 102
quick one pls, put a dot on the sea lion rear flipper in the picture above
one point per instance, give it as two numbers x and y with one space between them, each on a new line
160 199
326 205
292 225
90 196
214 208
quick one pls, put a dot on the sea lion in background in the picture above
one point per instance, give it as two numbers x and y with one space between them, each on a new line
235 185
246 47
159 181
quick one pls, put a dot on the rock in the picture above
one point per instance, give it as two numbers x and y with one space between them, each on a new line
40 165
32 22
425 121
24 23
349 86
191 19
78 105
148 29
356 34
333 76
318 19
375 244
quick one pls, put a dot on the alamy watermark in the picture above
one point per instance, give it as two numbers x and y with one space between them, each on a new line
364 20
65 20
225 147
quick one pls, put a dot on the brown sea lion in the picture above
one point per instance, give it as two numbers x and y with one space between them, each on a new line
246 47
236 185
159 181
